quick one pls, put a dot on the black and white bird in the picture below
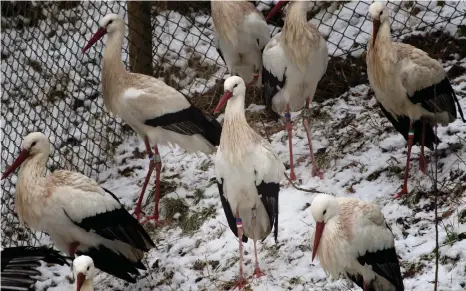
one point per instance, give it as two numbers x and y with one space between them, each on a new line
157 112
294 61
241 34
80 216
84 272
352 239
411 88
19 266
248 174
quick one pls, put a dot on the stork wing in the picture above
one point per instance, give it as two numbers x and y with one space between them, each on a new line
18 265
269 197
217 47
274 62
96 209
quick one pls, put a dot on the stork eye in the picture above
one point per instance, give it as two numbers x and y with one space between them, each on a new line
110 22
88 267
33 144
325 211
381 12
236 85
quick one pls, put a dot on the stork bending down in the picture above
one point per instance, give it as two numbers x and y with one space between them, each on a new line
80 216
248 175
156 111
353 239
293 63
411 88
241 34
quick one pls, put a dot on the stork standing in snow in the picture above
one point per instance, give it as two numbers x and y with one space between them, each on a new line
156 111
80 216
411 88
241 34
248 175
84 272
353 239
19 265
293 63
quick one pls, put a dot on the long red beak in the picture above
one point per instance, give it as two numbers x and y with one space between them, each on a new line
375 30
80 281
226 96
98 35
23 155
318 234
275 9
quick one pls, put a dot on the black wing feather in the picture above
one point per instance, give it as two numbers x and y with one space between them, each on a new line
269 196
229 213
118 224
271 86
18 265
189 121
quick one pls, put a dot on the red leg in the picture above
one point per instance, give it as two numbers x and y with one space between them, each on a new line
257 271
315 171
404 190
254 80
289 128
241 282
422 159
73 248
158 168
137 210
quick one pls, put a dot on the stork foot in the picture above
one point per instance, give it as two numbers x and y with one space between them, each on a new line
423 164
317 173
138 213
404 191
258 272
73 248
240 283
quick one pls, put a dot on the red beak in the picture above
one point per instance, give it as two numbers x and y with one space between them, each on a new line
375 30
80 281
223 101
275 9
318 234
23 155
98 35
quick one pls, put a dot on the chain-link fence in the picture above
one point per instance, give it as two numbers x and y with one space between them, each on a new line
48 85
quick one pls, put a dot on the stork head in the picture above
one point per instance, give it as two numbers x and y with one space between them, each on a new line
323 208
379 14
233 87
83 270
33 144
110 24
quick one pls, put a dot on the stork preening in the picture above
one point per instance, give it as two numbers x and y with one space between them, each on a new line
352 239
19 266
84 273
411 88
156 111
294 61
248 175
80 216
241 34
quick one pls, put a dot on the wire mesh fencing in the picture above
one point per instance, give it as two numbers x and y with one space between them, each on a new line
48 85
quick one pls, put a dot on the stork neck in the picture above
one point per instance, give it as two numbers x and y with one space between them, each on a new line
235 109
113 68
33 169
383 40
87 286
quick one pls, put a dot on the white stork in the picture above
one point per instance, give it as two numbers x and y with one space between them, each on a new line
156 111
84 273
294 61
241 34
352 239
19 266
248 174
411 88
80 216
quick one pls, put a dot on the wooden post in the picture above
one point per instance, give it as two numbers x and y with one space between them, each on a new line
140 37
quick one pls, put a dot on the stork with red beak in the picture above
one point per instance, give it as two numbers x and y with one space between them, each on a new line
156 111
352 239
84 273
248 175
79 215
241 34
411 88
294 61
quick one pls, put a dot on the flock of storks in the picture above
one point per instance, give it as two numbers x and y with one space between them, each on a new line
88 223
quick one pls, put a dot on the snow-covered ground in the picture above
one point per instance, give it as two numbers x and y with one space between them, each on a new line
358 149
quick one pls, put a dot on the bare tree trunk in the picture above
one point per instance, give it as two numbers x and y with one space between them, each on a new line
140 37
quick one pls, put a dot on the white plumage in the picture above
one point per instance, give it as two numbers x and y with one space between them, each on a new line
352 239
248 173
294 61
84 273
78 214
241 34
157 112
